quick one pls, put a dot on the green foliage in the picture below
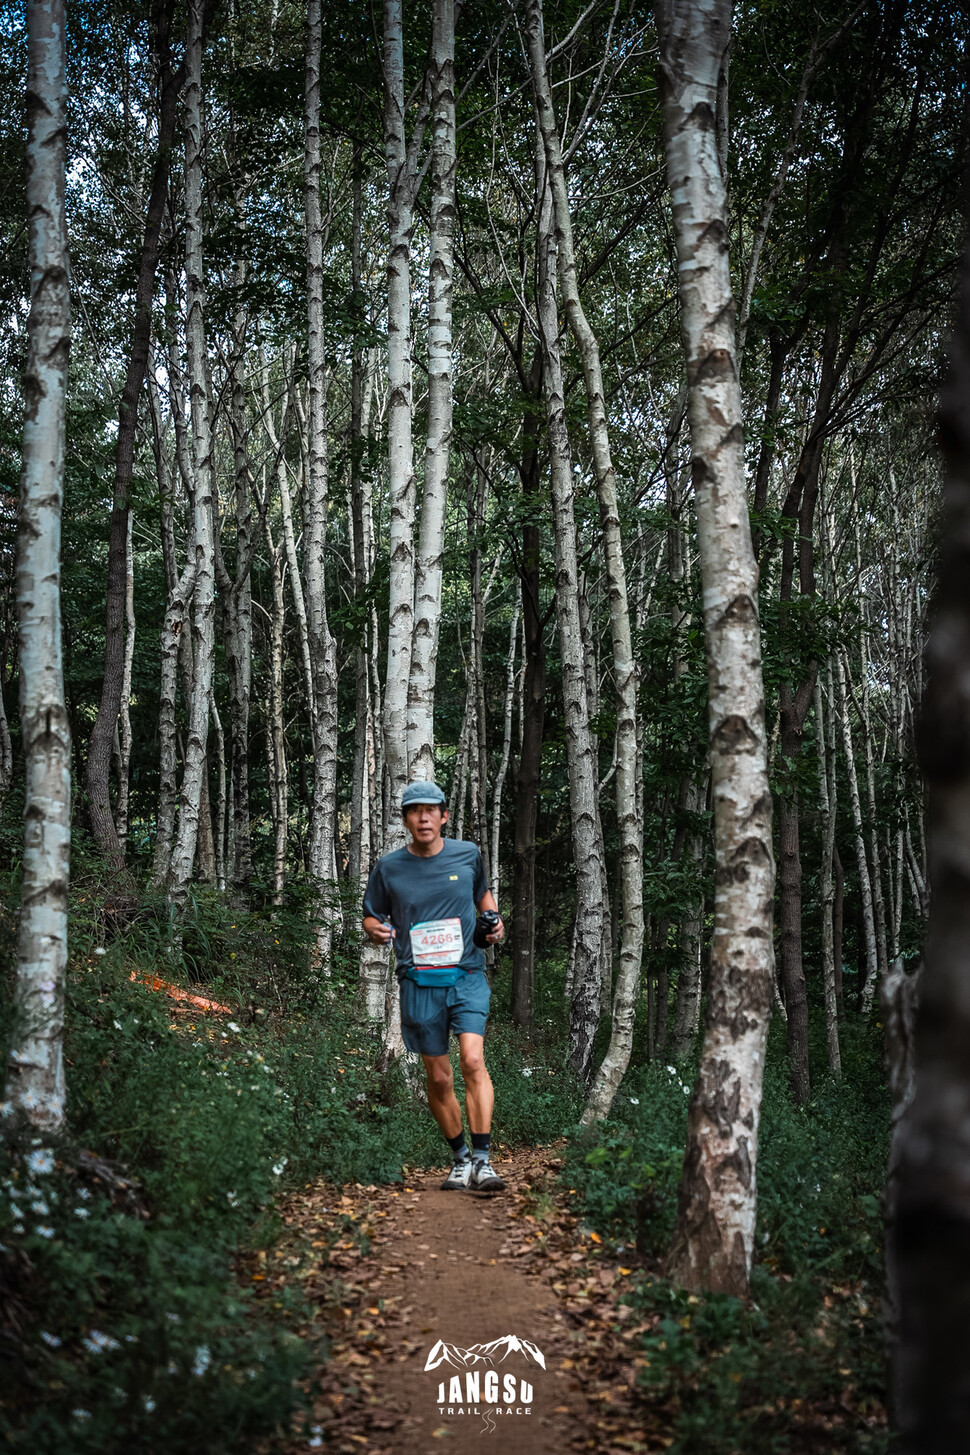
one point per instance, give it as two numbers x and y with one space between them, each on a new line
799 1365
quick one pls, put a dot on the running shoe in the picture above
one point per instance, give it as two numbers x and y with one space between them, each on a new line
460 1175
484 1178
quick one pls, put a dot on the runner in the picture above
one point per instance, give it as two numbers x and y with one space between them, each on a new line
424 897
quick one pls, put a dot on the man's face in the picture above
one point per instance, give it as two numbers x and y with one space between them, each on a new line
425 821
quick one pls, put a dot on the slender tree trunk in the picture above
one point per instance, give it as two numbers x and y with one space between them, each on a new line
793 710
527 785
503 765
401 478
35 1080
838 908
219 827
825 743
580 754
124 718
6 751
427 606
275 732
687 1012
102 734
714 1235
323 651
203 485
613 1067
865 883
932 1374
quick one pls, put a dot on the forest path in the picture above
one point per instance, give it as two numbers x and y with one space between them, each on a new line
414 1265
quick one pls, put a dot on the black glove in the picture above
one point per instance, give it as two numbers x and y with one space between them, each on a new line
486 924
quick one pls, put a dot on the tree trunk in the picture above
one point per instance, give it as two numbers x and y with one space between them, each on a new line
427 603
503 765
825 742
714 1235
203 484
401 478
580 753
613 1067
102 734
275 731
35 1081
687 1012
124 719
865 883
793 711
932 1374
323 651
531 726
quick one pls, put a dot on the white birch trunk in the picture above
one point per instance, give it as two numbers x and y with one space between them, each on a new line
124 716
203 484
427 603
714 1236
855 803
617 1057
275 734
322 646
401 480
580 755
35 1081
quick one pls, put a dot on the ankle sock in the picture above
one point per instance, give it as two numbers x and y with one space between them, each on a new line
458 1146
480 1146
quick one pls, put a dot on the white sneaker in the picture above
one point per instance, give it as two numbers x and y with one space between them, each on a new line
484 1177
460 1175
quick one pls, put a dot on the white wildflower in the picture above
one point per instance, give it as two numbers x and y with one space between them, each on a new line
634 1101
149 1404
526 1070
118 1026
39 1206
96 1343
82 1212
80 1414
51 1340
231 1026
40 1161
202 1360
84 1193
43 1231
99 950
278 1166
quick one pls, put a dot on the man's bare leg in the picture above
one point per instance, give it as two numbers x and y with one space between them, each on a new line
479 1092
441 1094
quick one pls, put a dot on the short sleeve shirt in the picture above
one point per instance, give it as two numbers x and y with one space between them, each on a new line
431 904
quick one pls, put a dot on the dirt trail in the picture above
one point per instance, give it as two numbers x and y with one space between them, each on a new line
415 1266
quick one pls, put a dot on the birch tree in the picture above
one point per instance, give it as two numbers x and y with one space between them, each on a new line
580 754
714 1235
192 796
323 652
427 603
35 1081
617 1058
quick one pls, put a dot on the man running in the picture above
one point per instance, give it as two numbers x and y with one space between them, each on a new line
424 897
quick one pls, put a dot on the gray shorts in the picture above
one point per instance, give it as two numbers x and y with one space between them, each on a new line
430 1012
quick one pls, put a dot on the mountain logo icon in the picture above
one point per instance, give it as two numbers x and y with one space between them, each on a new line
496 1351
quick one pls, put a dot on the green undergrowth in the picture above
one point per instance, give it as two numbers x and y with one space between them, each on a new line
797 1367
122 1324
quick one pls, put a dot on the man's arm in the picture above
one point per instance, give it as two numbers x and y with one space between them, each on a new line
487 901
377 931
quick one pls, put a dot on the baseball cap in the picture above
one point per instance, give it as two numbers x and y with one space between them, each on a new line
422 792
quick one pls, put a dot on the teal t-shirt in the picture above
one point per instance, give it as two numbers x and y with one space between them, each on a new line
431 904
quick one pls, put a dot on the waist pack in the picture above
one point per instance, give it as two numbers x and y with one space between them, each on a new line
435 974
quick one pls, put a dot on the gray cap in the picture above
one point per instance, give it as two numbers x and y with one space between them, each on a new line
422 792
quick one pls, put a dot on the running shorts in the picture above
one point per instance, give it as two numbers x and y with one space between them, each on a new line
430 1012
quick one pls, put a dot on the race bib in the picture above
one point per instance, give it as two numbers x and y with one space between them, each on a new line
437 942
